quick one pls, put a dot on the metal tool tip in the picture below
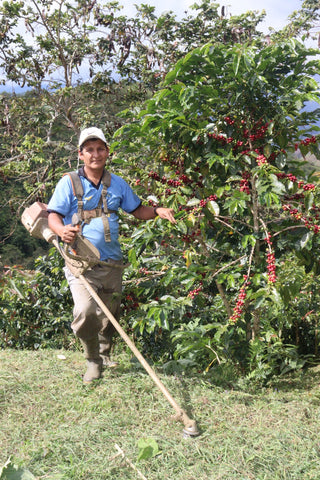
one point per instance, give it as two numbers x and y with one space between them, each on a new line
190 431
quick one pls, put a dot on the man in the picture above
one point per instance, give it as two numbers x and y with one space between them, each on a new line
101 196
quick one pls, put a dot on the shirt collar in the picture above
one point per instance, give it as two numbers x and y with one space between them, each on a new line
81 173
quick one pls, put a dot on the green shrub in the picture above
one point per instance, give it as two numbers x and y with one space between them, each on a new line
36 306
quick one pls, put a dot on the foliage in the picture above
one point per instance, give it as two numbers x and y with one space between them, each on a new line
218 138
303 22
15 246
70 56
11 472
81 64
298 316
223 131
148 448
100 42
36 306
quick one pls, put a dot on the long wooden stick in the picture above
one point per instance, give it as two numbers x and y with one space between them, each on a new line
181 414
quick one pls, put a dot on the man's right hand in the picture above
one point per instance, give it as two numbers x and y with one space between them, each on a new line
67 233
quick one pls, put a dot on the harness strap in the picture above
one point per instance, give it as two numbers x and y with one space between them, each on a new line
106 181
77 189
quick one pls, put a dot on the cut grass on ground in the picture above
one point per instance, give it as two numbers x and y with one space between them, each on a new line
60 429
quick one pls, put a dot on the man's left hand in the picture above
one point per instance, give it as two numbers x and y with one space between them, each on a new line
166 213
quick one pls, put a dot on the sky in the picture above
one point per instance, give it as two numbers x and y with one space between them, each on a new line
277 10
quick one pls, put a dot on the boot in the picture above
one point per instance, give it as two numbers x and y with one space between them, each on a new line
94 362
104 350
107 362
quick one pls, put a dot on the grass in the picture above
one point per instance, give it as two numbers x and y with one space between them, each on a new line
60 429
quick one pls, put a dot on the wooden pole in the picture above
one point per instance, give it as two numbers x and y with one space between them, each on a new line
190 425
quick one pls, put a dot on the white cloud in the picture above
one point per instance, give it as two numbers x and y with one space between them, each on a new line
277 12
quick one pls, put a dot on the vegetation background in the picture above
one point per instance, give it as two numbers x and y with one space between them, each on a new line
214 118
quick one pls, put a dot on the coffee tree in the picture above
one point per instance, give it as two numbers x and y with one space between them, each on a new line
222 133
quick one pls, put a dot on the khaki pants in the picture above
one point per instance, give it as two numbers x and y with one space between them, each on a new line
89 320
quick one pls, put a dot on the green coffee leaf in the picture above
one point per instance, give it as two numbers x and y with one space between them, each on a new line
148 448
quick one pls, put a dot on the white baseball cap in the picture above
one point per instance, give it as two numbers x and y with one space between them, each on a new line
90 134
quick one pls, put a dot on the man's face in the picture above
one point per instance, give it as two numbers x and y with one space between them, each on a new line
94 154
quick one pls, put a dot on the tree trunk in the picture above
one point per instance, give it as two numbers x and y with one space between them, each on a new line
224 299
255 324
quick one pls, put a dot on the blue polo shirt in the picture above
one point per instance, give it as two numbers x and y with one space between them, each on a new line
119 195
